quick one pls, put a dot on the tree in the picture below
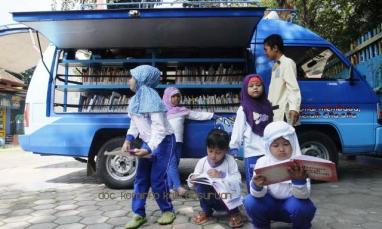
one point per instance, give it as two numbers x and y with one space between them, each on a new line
26 76
339 21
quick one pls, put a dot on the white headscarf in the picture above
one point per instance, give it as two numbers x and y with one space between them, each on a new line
276 130
272 132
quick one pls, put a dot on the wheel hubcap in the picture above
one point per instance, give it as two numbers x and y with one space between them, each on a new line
315 149
121 168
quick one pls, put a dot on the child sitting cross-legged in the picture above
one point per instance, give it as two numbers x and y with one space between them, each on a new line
217 164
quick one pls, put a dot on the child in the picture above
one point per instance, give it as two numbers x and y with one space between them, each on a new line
252 117
217 164
176 116
148 120
284 90
285 201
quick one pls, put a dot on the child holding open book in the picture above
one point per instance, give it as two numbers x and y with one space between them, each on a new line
176 115
216 165
254 114
286 201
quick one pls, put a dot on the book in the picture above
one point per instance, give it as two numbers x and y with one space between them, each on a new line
316 169
229 192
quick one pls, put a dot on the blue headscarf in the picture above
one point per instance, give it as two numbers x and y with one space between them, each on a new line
146 99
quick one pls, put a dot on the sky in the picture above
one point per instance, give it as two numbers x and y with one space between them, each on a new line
7 6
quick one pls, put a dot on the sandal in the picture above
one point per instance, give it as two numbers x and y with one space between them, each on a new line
166 218
200 218
136 222
235 220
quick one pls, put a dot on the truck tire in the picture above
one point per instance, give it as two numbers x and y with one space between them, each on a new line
116 172
318 144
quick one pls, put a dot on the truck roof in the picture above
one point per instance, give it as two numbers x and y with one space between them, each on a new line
291 33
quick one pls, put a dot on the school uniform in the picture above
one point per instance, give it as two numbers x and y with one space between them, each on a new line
177 123
229 171
286 201
242 135
252 117
148 119
283 89
176 116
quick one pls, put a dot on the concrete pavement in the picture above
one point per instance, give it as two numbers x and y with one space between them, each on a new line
54 192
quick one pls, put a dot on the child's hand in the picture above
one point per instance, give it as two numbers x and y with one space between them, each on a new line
213 173
125 147
297 172
259 180
142 153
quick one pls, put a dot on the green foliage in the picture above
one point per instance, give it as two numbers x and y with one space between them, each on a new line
339 21
26 76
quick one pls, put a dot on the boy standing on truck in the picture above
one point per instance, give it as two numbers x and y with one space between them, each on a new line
284 91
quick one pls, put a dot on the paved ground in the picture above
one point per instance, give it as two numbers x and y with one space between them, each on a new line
54 192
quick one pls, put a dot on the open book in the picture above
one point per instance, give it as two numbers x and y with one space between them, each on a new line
316 168
229 192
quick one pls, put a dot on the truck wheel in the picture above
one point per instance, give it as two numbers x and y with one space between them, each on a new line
317 144
117 172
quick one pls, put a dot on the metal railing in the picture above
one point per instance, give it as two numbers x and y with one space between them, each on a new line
161 4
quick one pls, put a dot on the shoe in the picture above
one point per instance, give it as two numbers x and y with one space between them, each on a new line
136 222
166 218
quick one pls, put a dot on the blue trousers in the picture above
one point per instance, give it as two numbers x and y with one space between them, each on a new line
152 172
299 212
210 200
173 170
249 165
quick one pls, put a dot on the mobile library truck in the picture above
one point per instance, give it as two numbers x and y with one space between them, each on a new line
77 99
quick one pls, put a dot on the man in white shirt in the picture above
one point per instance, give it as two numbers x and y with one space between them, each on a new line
284 91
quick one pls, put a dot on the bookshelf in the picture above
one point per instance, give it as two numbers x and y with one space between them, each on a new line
210 80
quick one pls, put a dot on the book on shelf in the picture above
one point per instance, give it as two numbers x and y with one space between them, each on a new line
228 102
316 169
229 192
105 75
104 103
209 75
114 98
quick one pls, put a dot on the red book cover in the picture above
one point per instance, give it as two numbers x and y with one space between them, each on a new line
316 168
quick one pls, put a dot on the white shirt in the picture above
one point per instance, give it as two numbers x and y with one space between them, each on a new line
242 134
152 128
280 190
177 123
228 166
283 89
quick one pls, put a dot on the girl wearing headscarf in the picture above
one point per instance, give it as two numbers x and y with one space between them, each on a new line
254 114
286 201
176 115
148 120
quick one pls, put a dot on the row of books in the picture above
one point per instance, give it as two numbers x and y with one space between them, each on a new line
210 75
224 103
100 103
188 75
105 75
117 102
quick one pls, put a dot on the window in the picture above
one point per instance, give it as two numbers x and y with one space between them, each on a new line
317 63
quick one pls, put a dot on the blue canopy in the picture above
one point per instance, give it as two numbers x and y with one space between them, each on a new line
146 28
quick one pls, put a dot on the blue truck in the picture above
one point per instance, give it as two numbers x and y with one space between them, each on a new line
340 112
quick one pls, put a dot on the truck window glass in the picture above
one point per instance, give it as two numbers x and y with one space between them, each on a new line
317 63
